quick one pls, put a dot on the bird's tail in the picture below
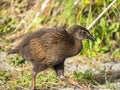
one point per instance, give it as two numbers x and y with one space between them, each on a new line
12 51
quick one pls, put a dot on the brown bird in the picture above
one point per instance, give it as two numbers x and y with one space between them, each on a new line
50 47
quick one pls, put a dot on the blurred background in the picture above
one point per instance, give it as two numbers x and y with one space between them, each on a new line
19 17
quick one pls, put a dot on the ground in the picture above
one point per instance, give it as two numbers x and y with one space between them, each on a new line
94 73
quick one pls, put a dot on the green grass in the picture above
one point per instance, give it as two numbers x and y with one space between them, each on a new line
88 78
17 60
18 18
47 79
4 77
15 80
106 30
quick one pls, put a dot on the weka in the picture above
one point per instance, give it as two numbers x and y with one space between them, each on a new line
50 47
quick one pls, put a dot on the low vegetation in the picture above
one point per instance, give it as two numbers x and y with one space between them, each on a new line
18 17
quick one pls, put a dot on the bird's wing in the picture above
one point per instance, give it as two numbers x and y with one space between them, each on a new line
57 36
32 47
37 51
41 46
48 41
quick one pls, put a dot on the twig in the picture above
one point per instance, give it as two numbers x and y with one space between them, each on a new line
19 25
101 15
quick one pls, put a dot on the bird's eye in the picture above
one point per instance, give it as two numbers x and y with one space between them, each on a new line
83 33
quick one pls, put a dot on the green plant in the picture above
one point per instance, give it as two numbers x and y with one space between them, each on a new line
4 77
17 60
26 16
82 77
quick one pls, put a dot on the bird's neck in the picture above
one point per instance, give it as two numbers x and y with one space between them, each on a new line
76 48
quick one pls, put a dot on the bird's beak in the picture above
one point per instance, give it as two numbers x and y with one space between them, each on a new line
91 38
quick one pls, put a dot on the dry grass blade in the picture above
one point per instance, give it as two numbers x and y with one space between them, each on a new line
101 14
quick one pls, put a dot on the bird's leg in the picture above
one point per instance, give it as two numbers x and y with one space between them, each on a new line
33 80
59 69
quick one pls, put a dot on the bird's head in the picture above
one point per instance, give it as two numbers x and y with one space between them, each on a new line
80 33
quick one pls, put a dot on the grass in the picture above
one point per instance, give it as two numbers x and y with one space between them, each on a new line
47 79
15 80
25 16
68 13
88 78
17 60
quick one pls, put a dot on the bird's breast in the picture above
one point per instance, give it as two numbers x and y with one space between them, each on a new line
77 47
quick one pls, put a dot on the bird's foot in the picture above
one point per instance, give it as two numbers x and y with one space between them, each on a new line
74 83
